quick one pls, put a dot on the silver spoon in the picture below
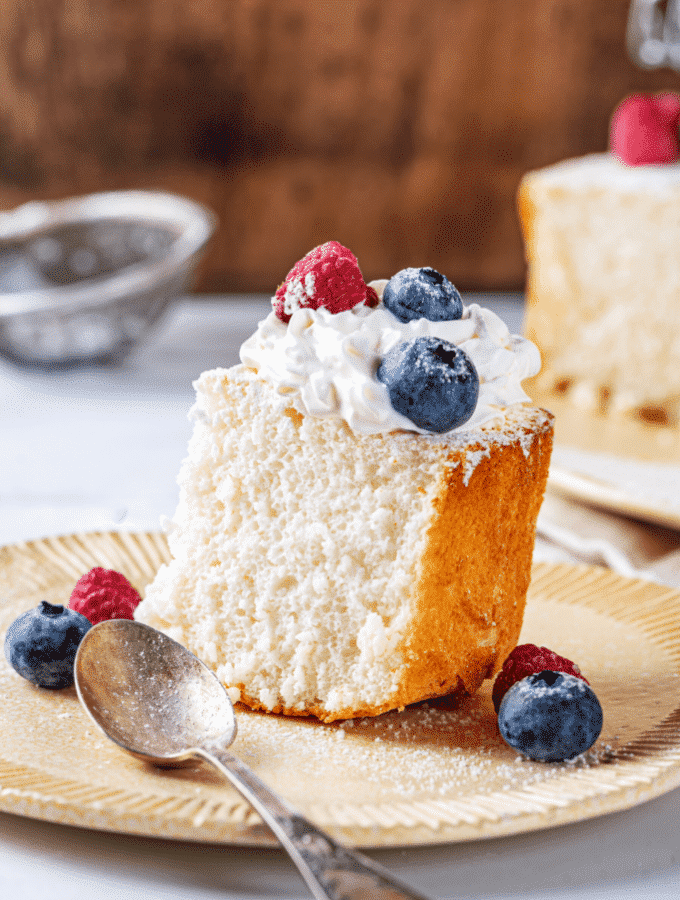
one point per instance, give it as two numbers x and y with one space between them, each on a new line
156 700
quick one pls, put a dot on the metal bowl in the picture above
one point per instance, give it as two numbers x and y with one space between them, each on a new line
83 280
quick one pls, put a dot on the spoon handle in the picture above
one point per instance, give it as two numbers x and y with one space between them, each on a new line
331 871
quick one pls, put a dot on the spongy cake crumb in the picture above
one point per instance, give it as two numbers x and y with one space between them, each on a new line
299 549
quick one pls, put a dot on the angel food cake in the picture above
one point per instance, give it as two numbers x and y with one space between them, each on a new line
602 236
358 505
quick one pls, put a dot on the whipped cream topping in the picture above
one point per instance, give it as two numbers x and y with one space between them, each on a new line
325 363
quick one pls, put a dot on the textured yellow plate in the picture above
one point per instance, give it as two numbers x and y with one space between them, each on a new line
430 774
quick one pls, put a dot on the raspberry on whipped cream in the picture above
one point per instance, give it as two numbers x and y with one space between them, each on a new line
328 276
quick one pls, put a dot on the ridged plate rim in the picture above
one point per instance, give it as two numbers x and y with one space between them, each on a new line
620 778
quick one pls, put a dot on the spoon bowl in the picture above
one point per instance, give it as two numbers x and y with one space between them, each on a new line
150 695
157 701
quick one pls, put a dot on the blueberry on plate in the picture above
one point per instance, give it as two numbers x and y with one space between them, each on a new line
550 716
430 381
422 294
41 644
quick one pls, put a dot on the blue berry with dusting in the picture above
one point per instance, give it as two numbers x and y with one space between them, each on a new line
550 716
41 644
422 294
430 381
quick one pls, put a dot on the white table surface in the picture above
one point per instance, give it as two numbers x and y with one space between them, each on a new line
100 449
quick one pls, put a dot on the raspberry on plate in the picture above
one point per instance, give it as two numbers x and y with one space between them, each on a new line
528 659
328 276
104 594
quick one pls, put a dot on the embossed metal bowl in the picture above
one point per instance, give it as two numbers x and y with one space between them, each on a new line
82 280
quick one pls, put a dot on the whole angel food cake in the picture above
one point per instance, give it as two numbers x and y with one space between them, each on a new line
602 234
358 505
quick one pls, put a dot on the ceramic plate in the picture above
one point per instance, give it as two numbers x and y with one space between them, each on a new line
433 773
614 462
590 486
649 491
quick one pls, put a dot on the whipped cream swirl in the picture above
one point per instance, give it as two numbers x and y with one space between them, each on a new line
325 363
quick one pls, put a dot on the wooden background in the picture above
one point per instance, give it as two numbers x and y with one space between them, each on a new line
399 127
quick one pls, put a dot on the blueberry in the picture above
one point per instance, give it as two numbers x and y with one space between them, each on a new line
431 382
41 644
550 716
422 294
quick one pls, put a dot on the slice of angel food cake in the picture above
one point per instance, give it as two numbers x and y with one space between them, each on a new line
602 238
358 505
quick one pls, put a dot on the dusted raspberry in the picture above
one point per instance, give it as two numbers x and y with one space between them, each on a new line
528 659
104 594
644 129
329 276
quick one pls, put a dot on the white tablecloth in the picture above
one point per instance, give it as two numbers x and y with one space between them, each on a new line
100 449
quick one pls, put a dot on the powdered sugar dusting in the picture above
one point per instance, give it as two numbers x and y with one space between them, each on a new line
299 292
432 750
472 460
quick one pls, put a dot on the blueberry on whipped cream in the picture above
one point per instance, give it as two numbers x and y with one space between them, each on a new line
432 382
422 294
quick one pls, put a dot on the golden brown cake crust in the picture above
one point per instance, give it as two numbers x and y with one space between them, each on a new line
470 604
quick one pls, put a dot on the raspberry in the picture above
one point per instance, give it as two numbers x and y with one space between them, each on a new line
329 276
644 129
104 594
371 296
528 659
